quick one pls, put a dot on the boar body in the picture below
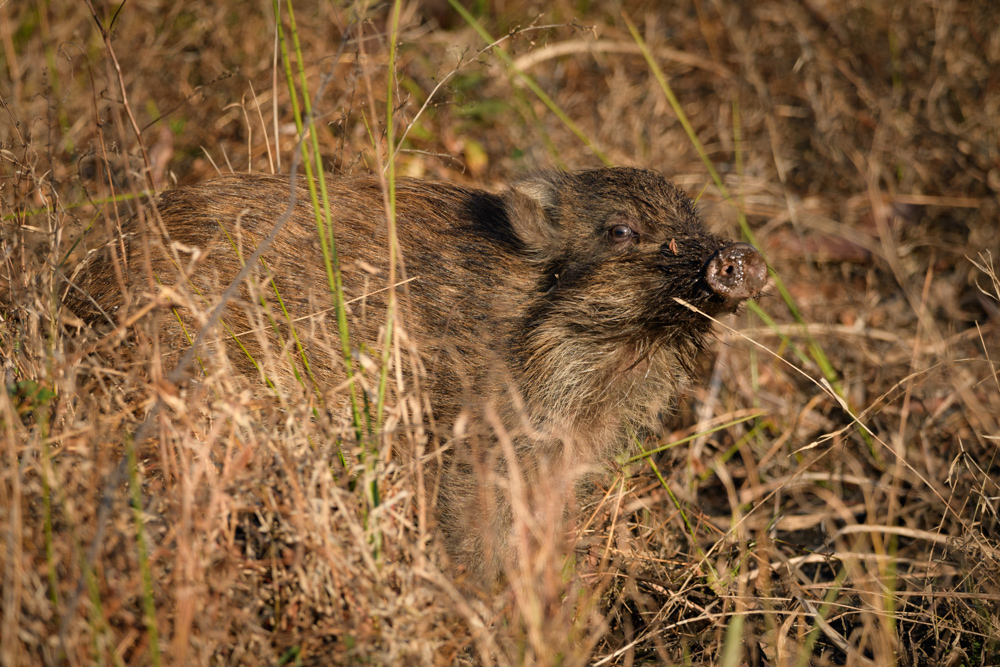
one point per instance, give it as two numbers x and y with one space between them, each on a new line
544 316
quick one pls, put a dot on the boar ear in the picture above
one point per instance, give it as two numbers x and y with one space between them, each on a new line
532 205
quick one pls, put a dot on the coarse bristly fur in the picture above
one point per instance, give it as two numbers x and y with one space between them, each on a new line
544 316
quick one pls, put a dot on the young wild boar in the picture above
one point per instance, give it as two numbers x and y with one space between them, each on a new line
545 316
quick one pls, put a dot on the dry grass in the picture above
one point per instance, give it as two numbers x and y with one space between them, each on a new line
854 520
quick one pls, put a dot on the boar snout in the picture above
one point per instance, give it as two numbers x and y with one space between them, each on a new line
736 272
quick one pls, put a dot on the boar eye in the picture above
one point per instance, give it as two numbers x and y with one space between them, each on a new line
621 233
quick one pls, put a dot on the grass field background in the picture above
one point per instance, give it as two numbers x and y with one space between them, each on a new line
847 511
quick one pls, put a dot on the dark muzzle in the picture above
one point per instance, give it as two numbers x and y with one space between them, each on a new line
737 272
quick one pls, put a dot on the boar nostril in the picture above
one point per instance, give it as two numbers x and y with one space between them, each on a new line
736 272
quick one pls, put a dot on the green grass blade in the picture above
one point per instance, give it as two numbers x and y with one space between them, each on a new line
817 352
390 316
321 214
531 83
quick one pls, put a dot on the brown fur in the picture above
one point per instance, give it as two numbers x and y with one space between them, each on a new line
556 339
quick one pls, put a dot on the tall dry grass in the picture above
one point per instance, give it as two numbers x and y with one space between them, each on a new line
846 511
